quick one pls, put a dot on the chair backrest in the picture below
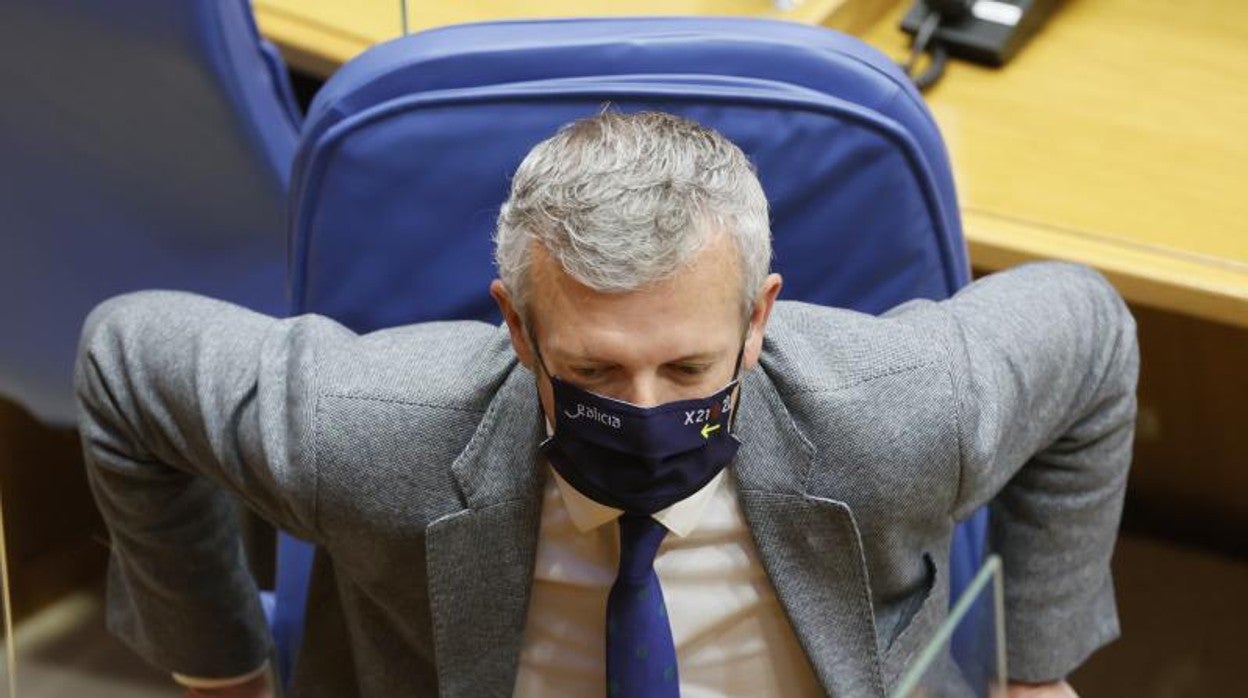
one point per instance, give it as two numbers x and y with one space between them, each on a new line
407 151
143 143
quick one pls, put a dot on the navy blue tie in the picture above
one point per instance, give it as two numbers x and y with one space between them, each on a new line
641 658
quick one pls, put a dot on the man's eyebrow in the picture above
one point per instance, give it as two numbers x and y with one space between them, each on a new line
699 357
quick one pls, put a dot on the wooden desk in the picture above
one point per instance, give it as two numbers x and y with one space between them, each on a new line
319 35
1117 138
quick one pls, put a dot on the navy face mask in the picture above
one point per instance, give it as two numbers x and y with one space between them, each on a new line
639 459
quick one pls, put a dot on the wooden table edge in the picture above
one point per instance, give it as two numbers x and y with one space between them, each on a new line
1207 288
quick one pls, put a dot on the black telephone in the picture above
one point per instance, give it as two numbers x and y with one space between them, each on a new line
982 31
949 9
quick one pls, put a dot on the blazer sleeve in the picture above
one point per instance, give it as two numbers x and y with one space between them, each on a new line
184 404
1043 363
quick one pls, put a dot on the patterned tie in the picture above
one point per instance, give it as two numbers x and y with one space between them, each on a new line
641 658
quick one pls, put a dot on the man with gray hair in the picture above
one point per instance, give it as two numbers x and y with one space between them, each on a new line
654 480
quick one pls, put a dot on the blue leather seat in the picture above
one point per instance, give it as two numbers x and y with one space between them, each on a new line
143 144
407 151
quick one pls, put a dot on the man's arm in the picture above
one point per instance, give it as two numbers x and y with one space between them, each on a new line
1044 361
185 401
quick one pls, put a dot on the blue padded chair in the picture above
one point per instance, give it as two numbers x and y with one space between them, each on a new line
143 144
407 151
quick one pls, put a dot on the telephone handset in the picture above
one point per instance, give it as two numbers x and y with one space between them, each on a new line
983 31
936 12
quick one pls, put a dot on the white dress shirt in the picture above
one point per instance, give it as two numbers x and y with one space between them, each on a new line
732 636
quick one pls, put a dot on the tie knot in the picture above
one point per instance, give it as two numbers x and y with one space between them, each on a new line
640 536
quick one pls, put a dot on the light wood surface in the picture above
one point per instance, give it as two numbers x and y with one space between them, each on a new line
1118 138
320 35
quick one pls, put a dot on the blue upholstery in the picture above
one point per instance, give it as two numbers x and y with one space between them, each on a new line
446 115
143 144
406 155
287 603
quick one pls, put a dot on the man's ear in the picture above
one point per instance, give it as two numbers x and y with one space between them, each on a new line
519 338
763 303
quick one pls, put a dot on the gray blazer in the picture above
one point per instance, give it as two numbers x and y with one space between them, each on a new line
410 457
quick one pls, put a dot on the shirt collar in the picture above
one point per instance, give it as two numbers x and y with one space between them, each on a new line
680 518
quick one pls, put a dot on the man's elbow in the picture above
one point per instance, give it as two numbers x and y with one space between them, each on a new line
102 348
1117 330
1126 358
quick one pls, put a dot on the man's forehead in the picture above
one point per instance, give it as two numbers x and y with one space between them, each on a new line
598 334
712 275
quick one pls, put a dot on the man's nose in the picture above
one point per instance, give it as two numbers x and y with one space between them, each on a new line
642 391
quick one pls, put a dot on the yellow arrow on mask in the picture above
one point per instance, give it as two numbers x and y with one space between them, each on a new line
707 429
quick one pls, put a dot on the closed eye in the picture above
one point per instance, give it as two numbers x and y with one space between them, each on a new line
588 372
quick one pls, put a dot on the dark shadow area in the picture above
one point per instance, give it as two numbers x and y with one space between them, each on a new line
305 86
1189 483
1182 612
66 651
55 536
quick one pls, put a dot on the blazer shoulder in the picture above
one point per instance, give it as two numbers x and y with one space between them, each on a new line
812 348
454 366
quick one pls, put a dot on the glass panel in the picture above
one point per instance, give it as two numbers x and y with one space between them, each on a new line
8 678
966 657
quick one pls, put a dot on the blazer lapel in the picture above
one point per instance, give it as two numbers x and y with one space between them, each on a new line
810 547
480 559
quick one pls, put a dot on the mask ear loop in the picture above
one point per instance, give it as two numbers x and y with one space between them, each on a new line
537 351
549 376
736 378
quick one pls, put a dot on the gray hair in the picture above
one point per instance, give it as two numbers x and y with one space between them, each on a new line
626 200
